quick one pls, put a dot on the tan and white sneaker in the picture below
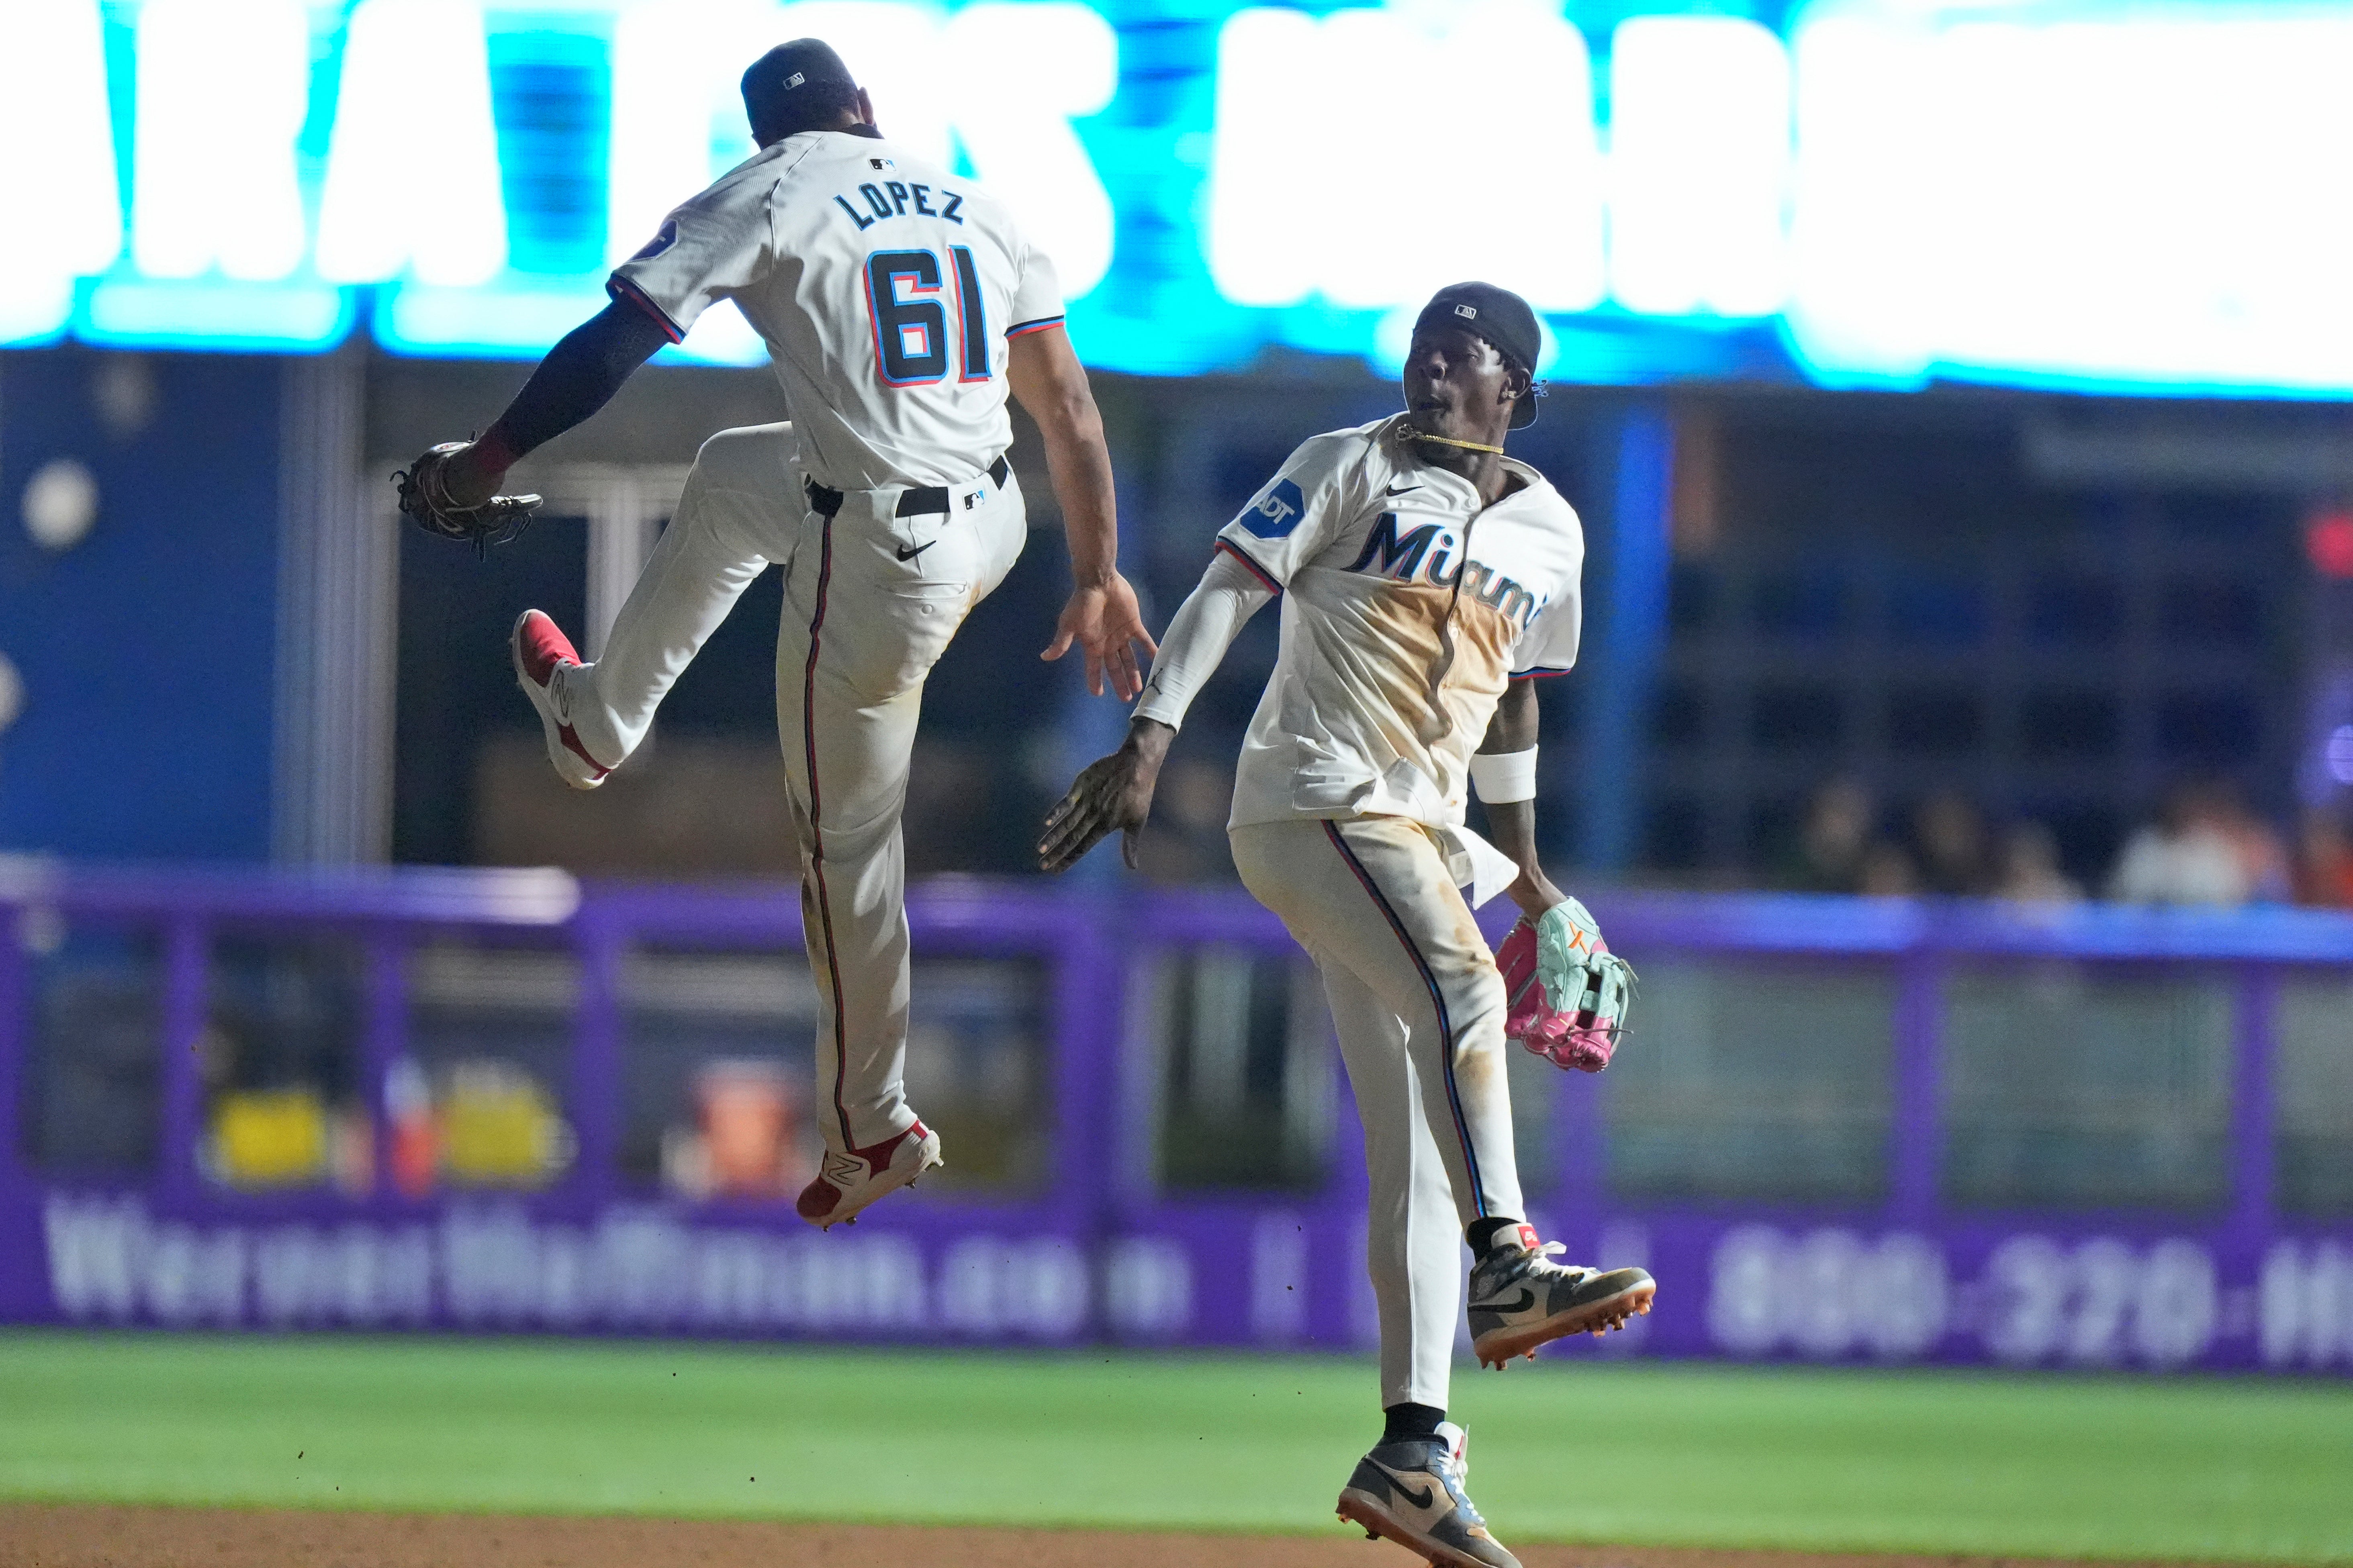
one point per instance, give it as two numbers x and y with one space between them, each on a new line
1412 1493
849 1180
1521 1299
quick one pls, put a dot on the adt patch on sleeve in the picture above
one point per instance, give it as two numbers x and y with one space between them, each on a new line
1276 513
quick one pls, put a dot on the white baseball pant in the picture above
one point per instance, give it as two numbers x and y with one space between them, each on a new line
871 599
1419 1006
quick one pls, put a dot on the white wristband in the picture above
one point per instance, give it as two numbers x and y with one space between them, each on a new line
1502 777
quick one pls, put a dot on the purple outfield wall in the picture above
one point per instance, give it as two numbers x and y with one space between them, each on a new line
1092 1252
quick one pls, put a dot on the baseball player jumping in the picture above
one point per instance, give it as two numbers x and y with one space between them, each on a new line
1426 580
900 302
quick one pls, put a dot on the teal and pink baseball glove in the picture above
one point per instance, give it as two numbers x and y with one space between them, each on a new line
1565 992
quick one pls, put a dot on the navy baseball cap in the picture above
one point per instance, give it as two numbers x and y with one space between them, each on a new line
1500 317
780 82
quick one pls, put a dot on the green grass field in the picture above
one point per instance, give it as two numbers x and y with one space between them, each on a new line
1665 1454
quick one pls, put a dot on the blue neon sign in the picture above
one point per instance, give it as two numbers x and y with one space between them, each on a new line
2065 193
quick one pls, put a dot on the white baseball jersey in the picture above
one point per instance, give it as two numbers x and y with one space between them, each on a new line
1409 604
1405 608
886 288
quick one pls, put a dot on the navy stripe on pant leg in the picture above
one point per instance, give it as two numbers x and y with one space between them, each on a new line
816 834
1437 1001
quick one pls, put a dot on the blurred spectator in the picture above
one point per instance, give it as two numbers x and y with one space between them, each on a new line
1184 840
2029 872
1886 872
1828 854
2324 861
2263 858
1951 836
2190 855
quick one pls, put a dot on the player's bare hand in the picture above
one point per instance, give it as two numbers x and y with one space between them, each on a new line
1106 624
1114 793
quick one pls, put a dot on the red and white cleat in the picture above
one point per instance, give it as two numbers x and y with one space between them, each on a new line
540 649
851 1181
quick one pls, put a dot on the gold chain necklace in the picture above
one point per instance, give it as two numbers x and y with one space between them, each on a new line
1411 434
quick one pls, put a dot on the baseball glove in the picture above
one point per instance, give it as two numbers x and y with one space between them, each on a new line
425 495
1567 994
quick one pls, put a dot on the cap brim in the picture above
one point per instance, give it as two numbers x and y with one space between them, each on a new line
1526 414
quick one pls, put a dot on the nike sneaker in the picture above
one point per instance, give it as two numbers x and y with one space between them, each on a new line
849 1180
1412 1493
542 652
1521 1299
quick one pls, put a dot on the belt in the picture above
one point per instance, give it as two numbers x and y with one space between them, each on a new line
913 502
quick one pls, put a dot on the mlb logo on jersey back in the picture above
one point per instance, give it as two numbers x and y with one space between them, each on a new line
1277 512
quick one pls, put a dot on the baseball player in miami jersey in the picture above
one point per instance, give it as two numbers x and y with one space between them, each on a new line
1427 581
900 302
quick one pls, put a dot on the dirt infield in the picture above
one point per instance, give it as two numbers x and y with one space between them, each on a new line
84 1536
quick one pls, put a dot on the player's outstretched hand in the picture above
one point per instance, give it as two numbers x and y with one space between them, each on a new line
1113 793
1106 625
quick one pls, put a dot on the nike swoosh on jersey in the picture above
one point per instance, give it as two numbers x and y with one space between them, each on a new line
907 554
1418 1499
1399 490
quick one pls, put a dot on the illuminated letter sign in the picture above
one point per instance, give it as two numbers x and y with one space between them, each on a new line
2156 200
1261 247
1699 151
414 183
1024 72
2078 193
57 205
223 88
677 119
1322 183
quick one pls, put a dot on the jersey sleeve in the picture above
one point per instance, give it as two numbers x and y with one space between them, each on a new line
716 243
1549 645
1037 294
1294 514
1196 639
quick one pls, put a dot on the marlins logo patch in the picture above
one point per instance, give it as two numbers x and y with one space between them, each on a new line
662 240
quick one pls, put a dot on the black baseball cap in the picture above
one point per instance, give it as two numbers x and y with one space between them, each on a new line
1500 317
778 83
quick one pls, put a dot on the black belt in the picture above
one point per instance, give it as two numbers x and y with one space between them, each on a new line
913 502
